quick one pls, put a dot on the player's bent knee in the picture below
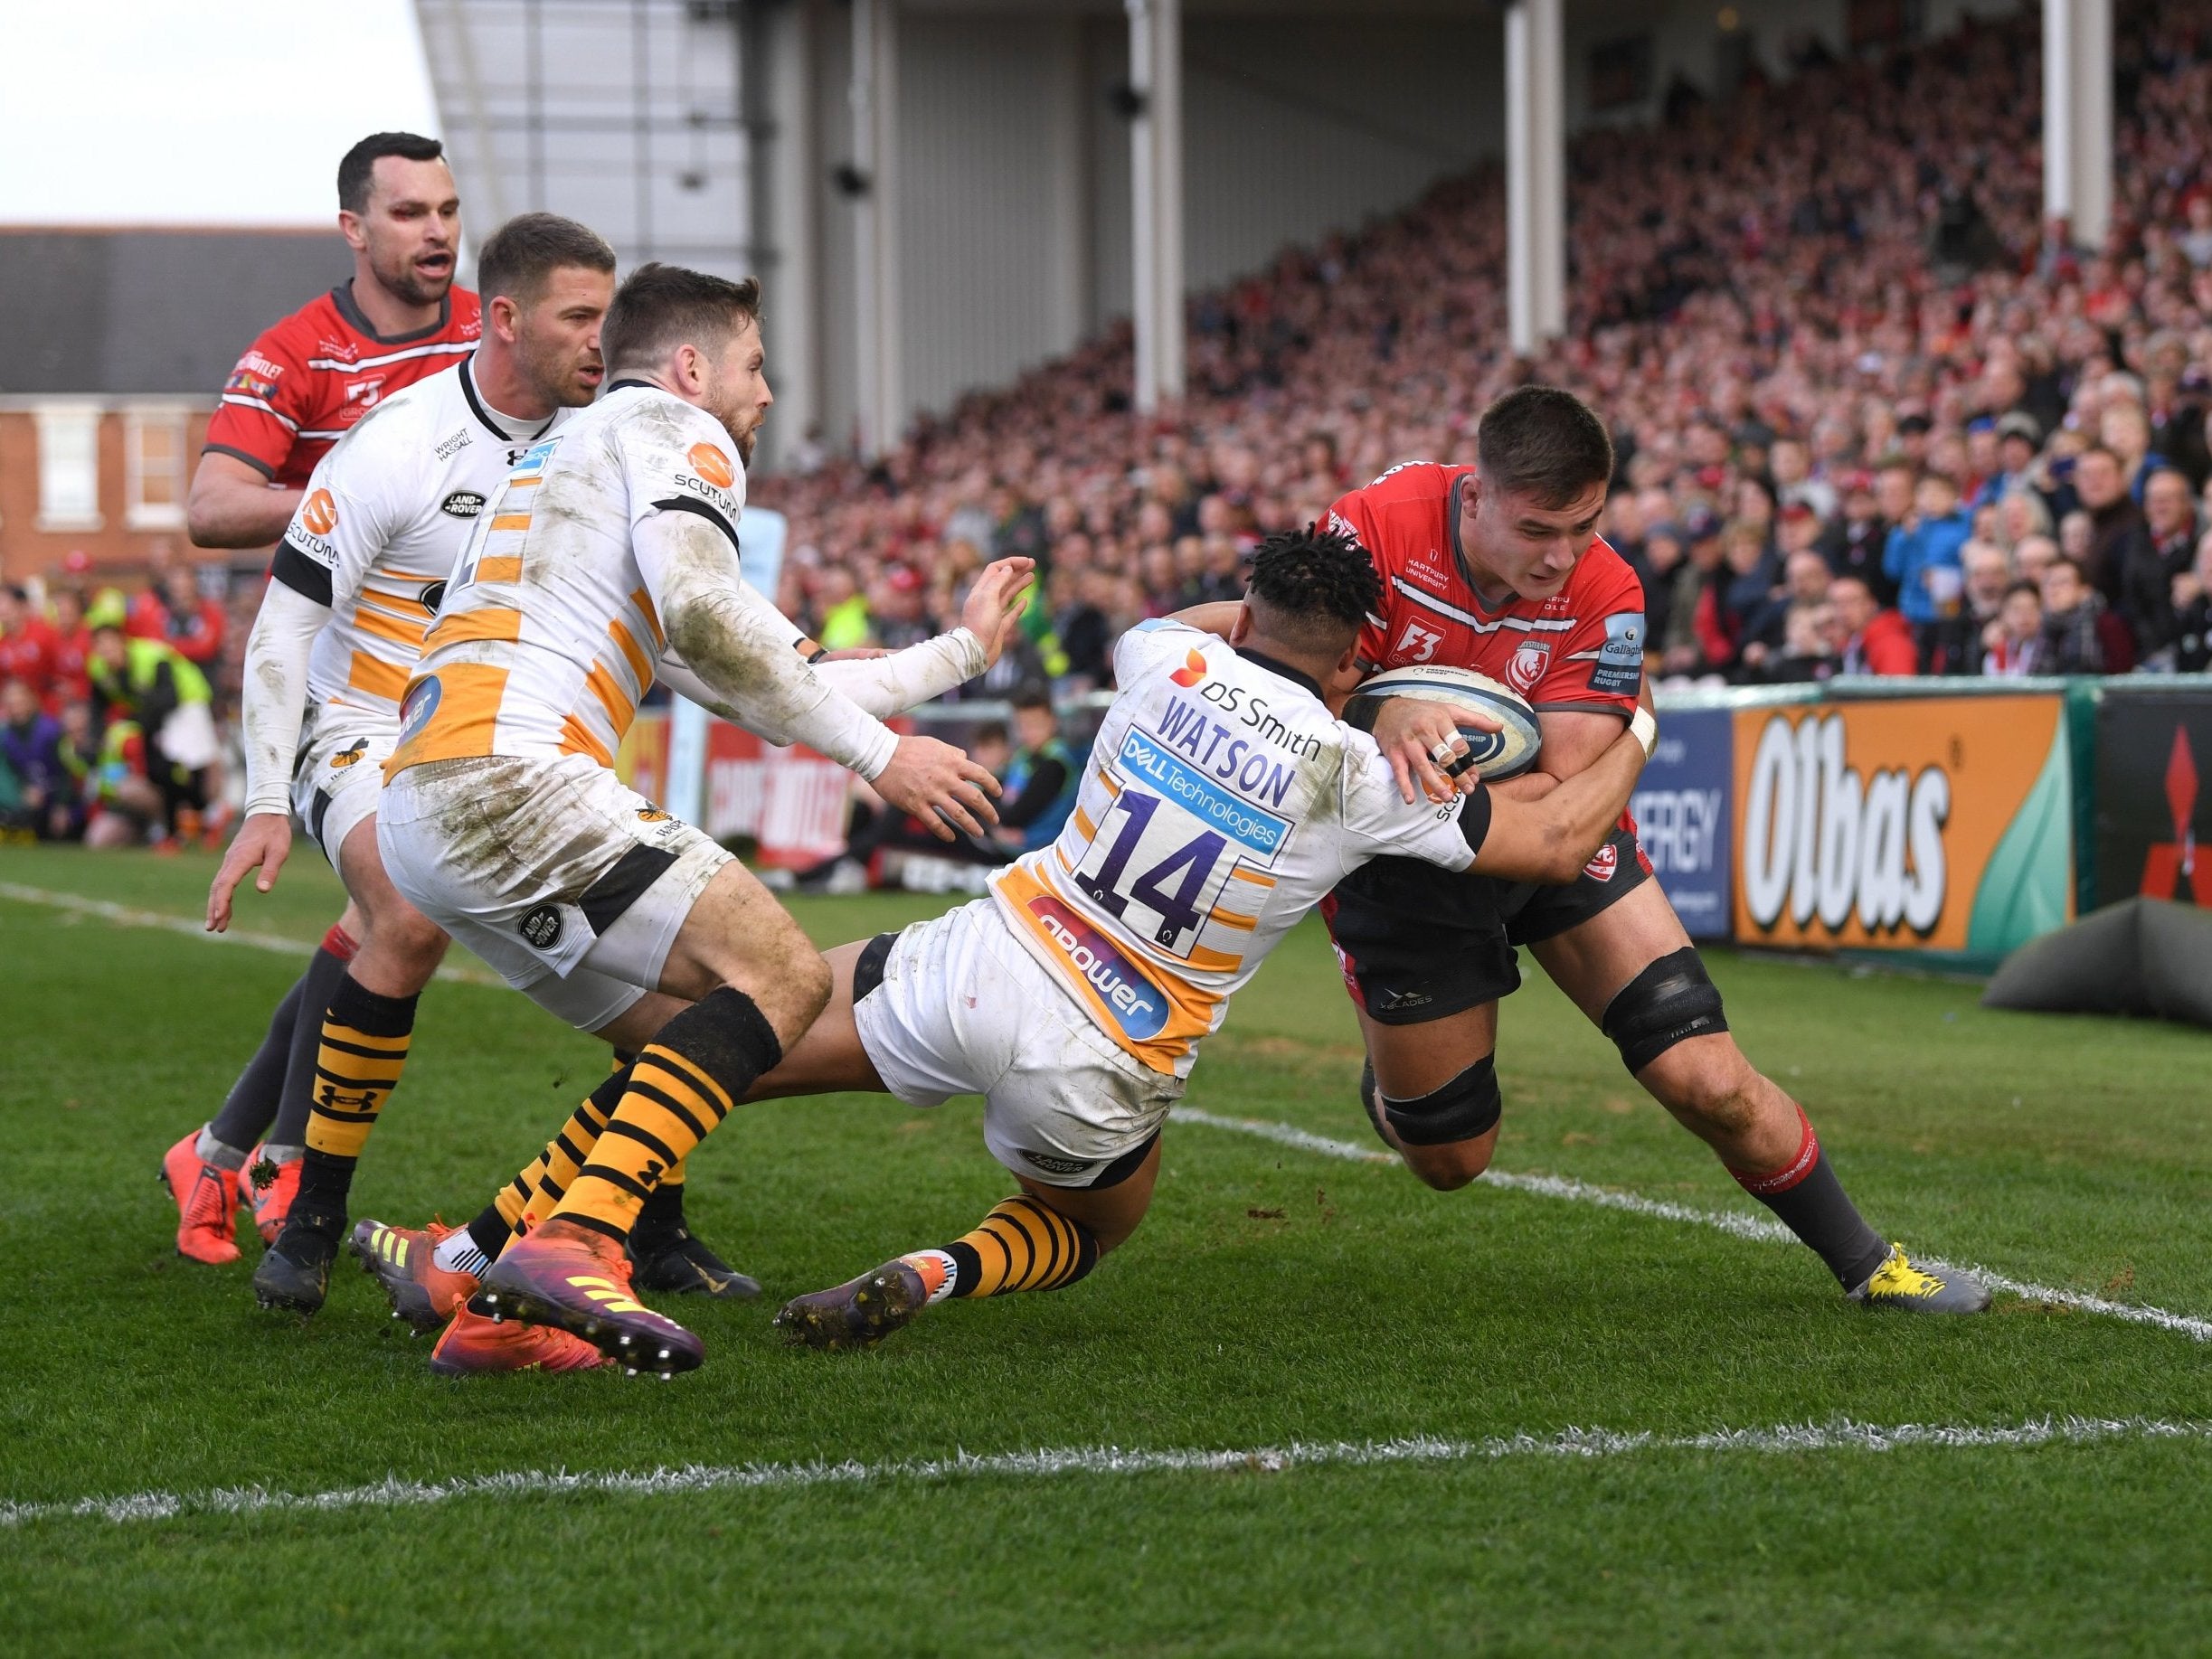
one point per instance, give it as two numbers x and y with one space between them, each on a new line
1670 1002
1446 1134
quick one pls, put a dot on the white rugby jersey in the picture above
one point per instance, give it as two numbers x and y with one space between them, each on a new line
386 513
1221 802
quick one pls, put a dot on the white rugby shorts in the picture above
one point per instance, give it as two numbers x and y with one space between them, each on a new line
549 869
339 774
964 1010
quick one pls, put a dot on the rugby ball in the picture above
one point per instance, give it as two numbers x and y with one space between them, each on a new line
1507 752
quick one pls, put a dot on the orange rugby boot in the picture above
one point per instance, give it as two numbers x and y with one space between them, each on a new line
268 1189
403 1261
206 1194
473 1347
577 1280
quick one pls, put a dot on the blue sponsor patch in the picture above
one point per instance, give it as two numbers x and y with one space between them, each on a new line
417 707
1138 1006
1229 816
534 458
1621 659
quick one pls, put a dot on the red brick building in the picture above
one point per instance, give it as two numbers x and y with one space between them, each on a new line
115 346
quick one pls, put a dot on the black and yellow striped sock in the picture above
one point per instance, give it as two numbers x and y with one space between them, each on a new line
1025 1244
538 1191
364 1049
682 1086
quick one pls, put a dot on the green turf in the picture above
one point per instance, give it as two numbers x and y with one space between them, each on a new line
1272 1296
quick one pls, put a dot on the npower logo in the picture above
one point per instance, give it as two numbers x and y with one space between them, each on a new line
1824 840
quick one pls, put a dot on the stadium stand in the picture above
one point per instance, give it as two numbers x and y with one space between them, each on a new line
1821 316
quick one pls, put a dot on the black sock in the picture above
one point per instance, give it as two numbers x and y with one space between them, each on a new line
325 973
1806 1197
256 1099
491 1232
659 1227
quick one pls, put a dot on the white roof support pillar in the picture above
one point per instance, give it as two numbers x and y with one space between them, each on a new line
876 231
1156 197
2077 120
787 212
1536 174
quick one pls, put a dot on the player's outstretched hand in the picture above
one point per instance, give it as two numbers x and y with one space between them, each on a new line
264 842
939 785
1420 740
994 607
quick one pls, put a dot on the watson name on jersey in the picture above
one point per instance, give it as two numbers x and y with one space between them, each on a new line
1223 799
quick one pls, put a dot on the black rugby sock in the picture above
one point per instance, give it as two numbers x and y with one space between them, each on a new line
1806 1197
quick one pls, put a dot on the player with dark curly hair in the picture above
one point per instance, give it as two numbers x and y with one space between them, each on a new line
1222 799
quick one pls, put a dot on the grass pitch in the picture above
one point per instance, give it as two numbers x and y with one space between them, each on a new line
1273 1296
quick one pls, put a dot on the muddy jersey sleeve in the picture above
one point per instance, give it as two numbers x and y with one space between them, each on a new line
1598 668
1378 822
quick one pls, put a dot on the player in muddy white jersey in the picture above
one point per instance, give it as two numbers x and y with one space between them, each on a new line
1223 799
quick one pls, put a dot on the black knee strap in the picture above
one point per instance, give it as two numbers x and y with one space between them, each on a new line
869 967
1468 1106
1668 1003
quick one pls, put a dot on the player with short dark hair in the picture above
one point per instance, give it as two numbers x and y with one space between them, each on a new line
297 390
1497 567
661 306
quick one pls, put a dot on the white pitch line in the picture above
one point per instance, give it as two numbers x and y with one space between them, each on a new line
125 916
1732 1222
393 1492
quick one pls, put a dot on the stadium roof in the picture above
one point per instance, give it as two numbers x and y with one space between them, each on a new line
139 312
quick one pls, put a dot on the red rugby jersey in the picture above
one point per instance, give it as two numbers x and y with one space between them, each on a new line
1581 649
311 376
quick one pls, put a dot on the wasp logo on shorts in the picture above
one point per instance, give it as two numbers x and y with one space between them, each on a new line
319 514
1192 672
350 756
711 465
1138 1006
540 929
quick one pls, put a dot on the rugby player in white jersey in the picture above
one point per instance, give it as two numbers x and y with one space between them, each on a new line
354 588
358 580
1223 800
608 557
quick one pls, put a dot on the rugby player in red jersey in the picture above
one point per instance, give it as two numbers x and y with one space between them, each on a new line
293 393
312 375
1497 567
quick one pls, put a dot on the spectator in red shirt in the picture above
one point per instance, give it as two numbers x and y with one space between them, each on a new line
26 642
149 611
72 645
1871 640
194 625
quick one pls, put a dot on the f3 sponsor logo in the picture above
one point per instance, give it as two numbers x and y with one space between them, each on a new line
1417 644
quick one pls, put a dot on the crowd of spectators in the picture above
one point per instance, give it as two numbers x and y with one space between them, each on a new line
109 709
1873 416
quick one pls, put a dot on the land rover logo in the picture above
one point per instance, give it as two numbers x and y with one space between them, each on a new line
462 504
542 927
1057 1166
